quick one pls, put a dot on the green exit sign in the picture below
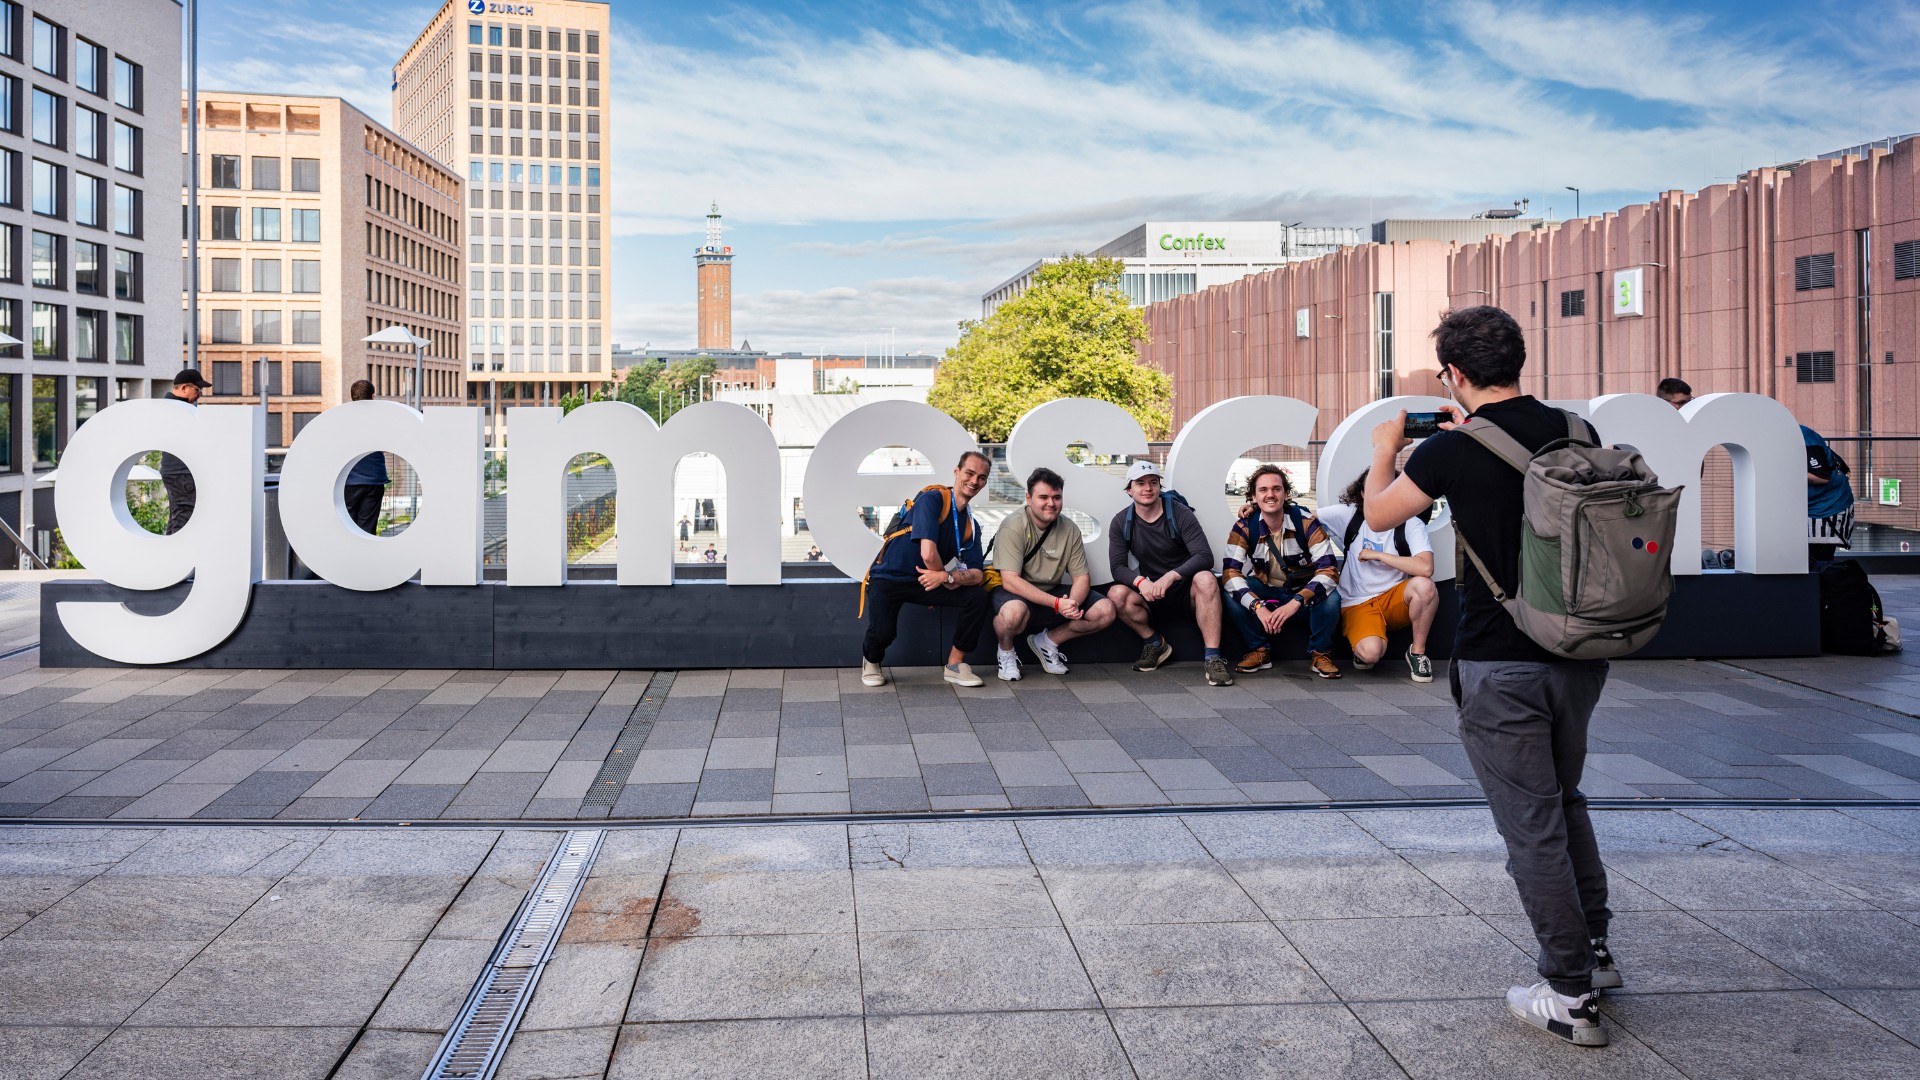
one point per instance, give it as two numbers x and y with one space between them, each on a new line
1889 491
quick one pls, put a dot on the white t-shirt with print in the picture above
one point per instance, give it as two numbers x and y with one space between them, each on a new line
1362 580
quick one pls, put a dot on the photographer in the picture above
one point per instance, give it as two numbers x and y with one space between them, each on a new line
1523 711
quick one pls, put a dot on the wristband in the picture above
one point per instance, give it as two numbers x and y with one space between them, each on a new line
1056 605
1138 580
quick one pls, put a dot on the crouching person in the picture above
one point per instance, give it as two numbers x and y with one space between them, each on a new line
1163 568
1280 563
1386 582
1044 581
931 555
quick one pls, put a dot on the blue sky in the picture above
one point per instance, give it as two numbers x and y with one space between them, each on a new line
882 164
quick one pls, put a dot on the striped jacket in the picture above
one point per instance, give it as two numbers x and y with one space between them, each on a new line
1308 561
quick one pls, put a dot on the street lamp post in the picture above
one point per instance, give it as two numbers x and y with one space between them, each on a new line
400 335
1576 199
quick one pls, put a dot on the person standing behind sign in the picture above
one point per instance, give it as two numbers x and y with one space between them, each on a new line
1523 711
173 472
1829 500
366 484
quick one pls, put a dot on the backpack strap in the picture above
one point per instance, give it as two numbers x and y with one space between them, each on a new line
1166 507
1504 446
1486 575
1400 541
1353 531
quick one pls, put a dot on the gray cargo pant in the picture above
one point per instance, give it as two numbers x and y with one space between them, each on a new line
1524 727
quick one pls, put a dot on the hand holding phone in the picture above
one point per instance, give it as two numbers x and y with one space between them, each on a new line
1419 425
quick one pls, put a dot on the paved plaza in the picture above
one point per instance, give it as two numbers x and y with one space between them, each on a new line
1774 943
412 745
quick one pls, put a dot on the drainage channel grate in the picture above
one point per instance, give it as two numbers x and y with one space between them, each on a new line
478 1038
626 748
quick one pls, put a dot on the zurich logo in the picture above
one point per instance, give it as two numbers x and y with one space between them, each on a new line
476 7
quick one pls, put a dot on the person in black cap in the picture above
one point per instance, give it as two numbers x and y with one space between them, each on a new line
173 472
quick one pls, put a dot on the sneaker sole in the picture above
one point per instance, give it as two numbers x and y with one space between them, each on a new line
1044 666
873 680
1004 677
1326 675
1358 666
1228 681
1166 654
1578 1036
1421 678
1250 670
975 681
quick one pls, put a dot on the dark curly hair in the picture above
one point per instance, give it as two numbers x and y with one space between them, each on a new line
1253 479
1356 493
1484 343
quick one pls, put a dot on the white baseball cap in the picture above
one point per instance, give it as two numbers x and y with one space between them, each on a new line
1139 469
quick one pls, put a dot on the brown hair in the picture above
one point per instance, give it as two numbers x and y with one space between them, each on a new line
1253 480
361 390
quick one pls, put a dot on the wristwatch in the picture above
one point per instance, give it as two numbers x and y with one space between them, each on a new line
949 577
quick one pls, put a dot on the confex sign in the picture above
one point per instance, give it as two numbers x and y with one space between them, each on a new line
225 448
1197 242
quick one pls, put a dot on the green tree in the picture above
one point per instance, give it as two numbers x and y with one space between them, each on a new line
657 388
1073 333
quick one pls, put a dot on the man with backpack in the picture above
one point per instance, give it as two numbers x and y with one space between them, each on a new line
1171 571
1044 580
1524 708
930 554
1386 582
1280 562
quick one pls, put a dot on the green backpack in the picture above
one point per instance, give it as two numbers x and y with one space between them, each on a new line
1596 540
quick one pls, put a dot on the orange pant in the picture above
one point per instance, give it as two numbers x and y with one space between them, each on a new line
1388 611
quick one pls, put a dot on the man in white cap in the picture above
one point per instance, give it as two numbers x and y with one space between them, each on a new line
1161 564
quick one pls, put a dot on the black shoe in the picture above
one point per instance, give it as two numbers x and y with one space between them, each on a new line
1217 672
1152 656
1420 666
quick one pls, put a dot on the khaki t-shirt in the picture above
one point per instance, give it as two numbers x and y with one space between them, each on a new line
1061 559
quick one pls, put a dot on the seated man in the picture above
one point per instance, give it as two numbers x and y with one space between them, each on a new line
1174 572
934 559
1280 562
1386 582
1044 580
1829 500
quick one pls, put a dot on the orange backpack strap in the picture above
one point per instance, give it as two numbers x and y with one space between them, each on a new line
906 529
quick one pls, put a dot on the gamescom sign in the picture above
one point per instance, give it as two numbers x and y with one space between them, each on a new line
225 448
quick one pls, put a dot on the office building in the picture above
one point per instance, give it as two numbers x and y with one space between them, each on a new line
1165 259
713 275
319 227
89 278
512 98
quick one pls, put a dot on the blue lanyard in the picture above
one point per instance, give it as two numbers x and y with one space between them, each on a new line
958 548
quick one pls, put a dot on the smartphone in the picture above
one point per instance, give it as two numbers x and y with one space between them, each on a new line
1422 424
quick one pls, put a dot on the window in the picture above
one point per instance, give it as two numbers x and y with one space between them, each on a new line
593 43
128 281
89 335
226 275
473 34
86 268
48 111
274 384
493 35
126 148
226 378
9 103
306 330
89 133
126 83
127 340
1813 367
126 210
1906 260
306 373
300 421
46 420
49 183
266 275
9 179
306 275
49 48
266 328
226 222
266 174
1813 272
266 223
226 170
90 67
89 201
86 398
1573 303
10 48
226 326
46 261
306 226
46 330
306 174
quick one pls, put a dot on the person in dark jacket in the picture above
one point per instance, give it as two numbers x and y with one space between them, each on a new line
173 472
367 484
1171 571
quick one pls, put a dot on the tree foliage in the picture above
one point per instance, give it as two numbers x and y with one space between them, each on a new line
658 388
1073 333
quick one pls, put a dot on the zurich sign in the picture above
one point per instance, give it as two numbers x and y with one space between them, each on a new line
476 7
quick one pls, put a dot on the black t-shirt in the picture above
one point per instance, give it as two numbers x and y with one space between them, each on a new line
1484 494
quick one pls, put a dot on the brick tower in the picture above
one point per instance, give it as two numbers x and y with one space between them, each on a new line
715 267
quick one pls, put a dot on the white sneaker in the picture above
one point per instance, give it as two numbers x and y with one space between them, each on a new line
1052 660
1573 1019
1009 667
871 674
962 675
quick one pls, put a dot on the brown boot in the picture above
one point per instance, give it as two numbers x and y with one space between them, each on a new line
1323 665
1258 660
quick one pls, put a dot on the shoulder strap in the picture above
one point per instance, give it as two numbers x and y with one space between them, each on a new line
1576 427
1499 594
1353 530
1166 508
1400 541
1038 544
1504 446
